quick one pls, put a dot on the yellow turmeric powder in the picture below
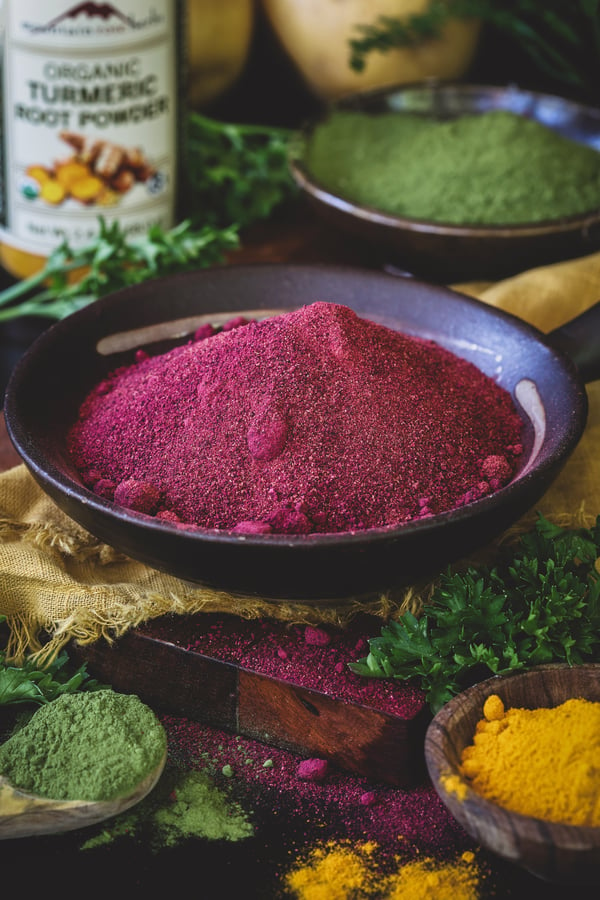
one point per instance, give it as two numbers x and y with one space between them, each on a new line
538 762
334 871
337 871
426 878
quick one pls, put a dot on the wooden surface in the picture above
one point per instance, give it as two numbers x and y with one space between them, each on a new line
8 455
180 681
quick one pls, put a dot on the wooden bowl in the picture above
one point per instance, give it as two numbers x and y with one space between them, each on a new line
452 253
567 854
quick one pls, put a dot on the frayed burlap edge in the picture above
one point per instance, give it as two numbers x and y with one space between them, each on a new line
75 543
42 640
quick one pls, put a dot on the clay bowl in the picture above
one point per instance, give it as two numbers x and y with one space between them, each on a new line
545 374
452 253
554 852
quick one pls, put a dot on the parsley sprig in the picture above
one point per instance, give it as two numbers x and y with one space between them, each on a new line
237 174
110 262
539 604
31 683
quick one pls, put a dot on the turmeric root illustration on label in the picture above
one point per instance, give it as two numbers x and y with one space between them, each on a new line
99 172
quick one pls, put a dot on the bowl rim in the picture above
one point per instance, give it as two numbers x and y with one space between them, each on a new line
374 216
51 475
315 567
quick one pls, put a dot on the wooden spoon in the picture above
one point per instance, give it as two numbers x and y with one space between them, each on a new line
25 815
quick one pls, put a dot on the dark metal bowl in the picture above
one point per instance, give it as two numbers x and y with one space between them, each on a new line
66 361
453 253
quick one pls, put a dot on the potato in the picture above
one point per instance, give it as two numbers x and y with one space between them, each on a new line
316 33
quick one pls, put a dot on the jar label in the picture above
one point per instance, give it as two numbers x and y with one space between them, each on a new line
90 119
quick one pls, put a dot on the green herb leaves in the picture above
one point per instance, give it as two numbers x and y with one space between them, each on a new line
237 173
30 684
539 604
561 39
111 262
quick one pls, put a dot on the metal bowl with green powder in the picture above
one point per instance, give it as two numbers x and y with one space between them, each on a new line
455 182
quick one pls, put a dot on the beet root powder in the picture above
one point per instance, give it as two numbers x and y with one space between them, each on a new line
314 420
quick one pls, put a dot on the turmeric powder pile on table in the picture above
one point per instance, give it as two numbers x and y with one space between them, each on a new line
538 762
340 870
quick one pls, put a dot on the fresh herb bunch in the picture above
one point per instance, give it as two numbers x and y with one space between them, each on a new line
236 173
539 604
110 262
561 38
31 684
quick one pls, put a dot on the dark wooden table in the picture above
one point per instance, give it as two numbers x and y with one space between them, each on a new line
241 869
8 455
212 869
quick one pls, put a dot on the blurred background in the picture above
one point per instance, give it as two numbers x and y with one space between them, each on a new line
270 53
279 62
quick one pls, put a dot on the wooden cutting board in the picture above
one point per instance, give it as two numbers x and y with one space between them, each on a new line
350 733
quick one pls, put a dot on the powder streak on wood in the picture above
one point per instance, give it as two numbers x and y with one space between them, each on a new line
357 738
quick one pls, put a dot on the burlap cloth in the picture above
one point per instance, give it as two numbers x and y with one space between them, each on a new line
58 583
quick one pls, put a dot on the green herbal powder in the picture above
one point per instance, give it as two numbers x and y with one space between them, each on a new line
494 168
95 745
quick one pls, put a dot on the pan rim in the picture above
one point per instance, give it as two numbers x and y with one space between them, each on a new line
50 476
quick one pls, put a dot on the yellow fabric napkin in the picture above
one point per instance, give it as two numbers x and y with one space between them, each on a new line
58 583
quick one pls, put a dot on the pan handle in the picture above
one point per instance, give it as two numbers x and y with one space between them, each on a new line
580 340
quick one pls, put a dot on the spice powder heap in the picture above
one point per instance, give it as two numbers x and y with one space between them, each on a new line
314 420
538 762
90 746
492 168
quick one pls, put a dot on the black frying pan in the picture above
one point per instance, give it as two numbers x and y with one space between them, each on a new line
546 374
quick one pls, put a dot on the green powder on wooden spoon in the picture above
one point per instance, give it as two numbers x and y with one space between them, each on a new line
92 745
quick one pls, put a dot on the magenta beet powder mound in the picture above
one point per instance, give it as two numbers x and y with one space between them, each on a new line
315 420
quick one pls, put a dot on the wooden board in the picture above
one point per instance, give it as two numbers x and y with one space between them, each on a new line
179 681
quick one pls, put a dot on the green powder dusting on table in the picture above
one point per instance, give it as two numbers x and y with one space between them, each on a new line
184 805
95 745
494 168
200 809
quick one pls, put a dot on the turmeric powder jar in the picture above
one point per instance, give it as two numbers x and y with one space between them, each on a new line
92 100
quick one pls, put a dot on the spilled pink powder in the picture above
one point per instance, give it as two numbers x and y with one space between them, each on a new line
311 421
267 780
316 658
313 770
